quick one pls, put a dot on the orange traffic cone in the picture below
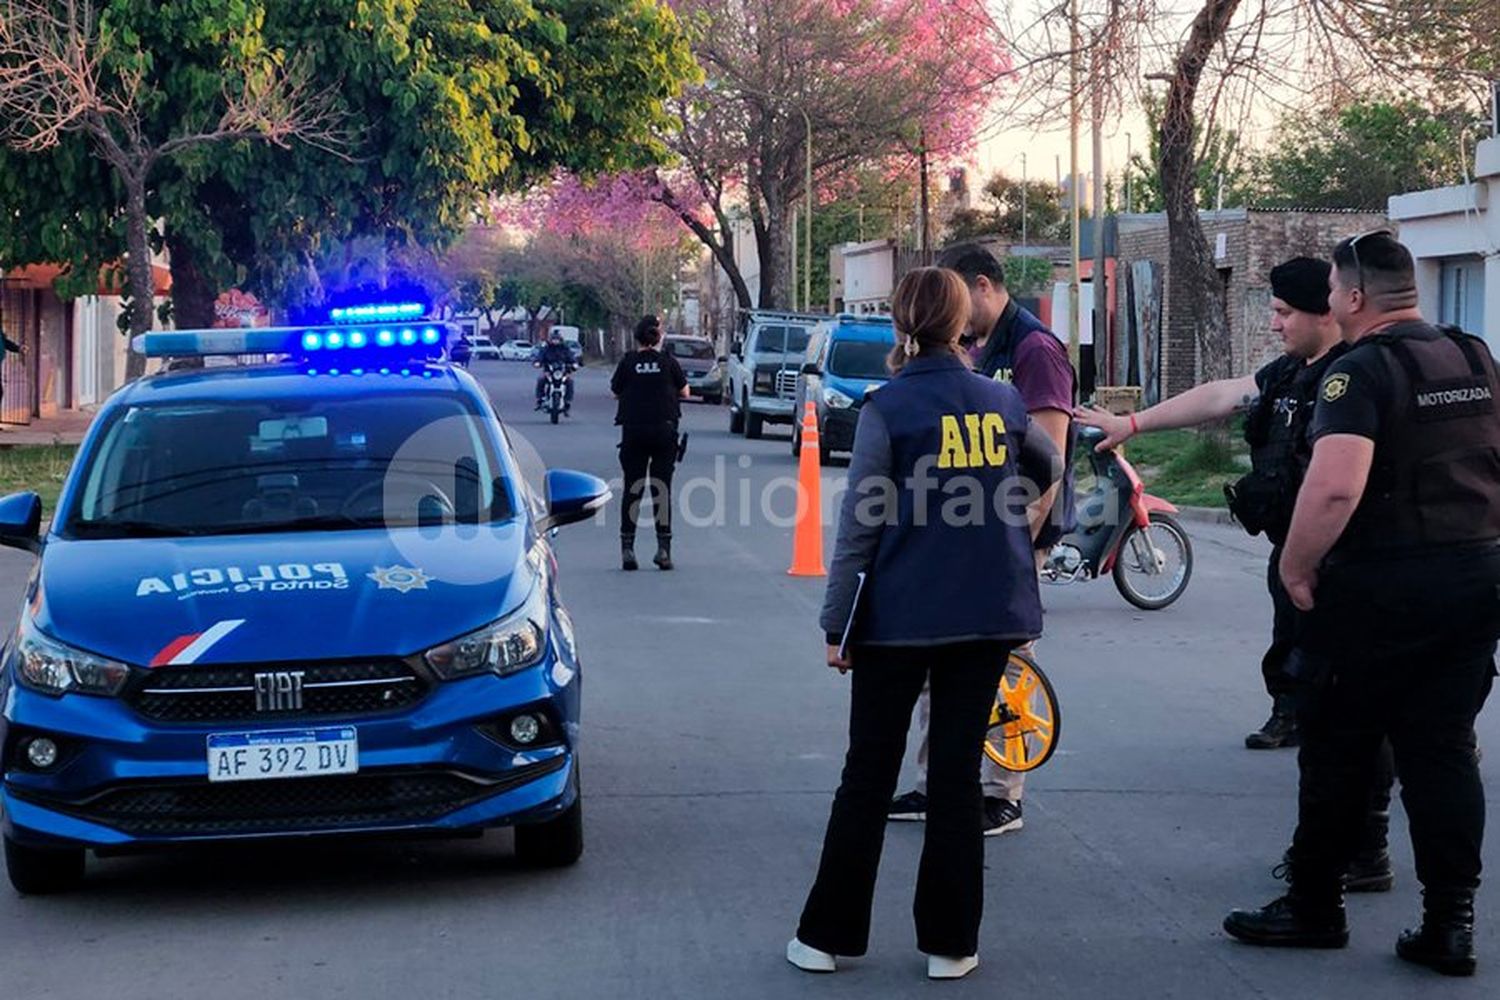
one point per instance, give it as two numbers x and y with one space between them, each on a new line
807 539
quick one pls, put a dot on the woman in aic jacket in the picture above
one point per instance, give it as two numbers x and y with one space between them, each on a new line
934 543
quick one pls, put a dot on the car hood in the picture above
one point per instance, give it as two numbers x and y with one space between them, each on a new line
251 598
854 388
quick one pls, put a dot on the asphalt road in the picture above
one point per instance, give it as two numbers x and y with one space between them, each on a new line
713 742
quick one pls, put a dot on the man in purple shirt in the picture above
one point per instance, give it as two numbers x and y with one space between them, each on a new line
1009 344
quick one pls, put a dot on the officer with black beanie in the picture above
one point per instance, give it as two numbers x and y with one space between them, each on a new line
1393 558
649 383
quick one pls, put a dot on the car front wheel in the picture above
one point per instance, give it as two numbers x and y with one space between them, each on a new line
42 871
554 843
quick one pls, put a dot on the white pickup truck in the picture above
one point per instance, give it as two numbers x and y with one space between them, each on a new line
763 366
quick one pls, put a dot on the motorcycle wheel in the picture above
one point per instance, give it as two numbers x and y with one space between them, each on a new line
555 414
1160 551
1025 721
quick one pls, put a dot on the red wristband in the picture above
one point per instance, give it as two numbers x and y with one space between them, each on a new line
1134 427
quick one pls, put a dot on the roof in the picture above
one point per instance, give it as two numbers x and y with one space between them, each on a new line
285 381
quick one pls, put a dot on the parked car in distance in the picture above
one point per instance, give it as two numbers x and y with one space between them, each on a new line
516 350
703 368
845 360
481 348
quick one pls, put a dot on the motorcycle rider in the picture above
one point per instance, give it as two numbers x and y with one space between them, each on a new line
554 352
1278 401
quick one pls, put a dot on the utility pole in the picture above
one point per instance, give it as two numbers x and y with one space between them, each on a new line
1099 283
925 234
807 263
1073 193
1023 200
794 259
1129 169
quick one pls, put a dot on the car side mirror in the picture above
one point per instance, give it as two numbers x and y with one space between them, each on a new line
811 369
572 497
21 521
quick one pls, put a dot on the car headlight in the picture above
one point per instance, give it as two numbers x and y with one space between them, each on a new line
55 668
764 381
511 644
837 399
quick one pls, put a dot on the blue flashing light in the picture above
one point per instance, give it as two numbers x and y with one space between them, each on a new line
379 311
385 371
406 371
312 371
357 371
333 371
394 345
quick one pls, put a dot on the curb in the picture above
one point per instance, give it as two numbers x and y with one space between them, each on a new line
1206 515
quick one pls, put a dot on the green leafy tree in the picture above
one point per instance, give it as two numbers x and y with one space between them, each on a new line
1361 155
439 104
1218 163
1001 210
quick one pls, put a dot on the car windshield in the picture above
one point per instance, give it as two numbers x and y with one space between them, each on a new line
240 467
859 359
782 339
695 350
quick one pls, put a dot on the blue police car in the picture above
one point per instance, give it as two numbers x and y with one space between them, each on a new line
307 596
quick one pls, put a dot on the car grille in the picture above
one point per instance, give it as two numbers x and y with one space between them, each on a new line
292 805
786 383
191 694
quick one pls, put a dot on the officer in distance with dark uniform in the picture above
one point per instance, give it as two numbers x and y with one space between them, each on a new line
1394 558
650 385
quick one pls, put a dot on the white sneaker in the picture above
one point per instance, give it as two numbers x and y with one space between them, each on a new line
807 958
943 967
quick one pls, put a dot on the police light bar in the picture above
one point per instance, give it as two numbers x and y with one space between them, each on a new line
378 313
393 340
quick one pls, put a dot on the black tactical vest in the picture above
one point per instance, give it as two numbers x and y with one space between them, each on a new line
1276 430
1435 480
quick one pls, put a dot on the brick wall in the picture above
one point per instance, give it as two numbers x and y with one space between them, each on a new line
1254 242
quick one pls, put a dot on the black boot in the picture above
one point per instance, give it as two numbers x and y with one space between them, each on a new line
1368 872
663 557
1280 729
1292 922
1445 941
627 554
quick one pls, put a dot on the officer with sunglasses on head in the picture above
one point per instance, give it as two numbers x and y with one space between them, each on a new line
1394 557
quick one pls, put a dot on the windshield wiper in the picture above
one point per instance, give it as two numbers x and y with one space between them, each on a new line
134 529
310 522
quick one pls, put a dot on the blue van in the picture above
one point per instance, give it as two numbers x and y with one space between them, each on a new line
846 358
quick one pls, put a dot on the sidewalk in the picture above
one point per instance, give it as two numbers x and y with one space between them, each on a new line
66 427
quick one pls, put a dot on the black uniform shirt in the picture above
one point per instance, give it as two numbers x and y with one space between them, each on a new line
649 384
1358 391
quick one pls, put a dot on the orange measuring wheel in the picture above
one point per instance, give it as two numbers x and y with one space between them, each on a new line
1025 721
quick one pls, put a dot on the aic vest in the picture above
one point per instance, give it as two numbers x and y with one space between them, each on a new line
1276 430
1436 474
955 560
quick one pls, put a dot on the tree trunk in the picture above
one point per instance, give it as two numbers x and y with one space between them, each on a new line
193 293
1194 288
771 244
140 285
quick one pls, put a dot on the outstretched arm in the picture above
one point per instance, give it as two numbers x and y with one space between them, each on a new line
1200 404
